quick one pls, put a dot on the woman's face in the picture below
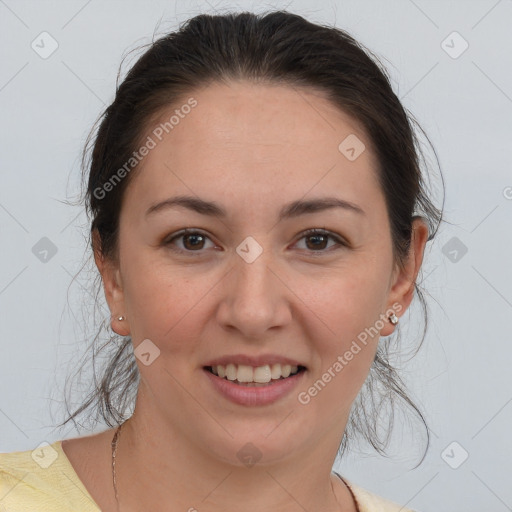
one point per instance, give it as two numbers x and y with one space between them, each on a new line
250 283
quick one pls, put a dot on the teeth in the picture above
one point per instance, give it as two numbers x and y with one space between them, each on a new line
231 372
276 371
260 374
244 373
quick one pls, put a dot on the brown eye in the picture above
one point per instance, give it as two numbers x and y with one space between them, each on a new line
317 240
192 241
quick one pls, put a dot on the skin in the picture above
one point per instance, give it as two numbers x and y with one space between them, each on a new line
252 149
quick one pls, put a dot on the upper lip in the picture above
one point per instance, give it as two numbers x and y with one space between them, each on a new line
255 361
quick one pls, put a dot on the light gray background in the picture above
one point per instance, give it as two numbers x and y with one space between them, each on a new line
461 376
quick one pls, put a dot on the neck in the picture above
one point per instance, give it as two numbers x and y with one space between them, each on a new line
156 465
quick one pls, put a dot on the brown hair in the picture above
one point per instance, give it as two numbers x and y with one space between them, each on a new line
277 47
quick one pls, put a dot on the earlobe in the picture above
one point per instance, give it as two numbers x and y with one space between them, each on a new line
114 292
119 325
112 286
115 298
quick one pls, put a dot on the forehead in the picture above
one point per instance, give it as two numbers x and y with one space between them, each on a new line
249 142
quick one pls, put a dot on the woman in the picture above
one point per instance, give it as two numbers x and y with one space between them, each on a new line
259 220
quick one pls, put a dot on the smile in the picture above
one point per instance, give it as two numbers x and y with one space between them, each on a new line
254 386
259 375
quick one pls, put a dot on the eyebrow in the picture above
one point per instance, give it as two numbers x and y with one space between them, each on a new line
291 210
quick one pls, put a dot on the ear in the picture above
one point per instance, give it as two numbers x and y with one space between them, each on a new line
403 280
112 285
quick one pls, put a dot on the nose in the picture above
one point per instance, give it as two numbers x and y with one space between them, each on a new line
255 298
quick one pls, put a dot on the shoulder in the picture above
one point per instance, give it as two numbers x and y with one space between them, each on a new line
367 501
41 479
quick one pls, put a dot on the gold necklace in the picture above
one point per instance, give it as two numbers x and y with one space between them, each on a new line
114 452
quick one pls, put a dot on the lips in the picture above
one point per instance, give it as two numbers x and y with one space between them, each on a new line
254 380
254 393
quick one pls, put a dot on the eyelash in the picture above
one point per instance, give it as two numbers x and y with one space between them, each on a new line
308 233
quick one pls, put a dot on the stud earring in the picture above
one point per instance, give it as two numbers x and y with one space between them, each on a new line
120 318
393 318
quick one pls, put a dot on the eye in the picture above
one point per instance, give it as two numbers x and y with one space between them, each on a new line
319 239
193 241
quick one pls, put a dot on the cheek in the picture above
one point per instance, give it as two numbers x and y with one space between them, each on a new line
170 312
162 303
345 323
348 303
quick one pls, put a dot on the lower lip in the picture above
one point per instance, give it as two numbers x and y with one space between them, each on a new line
254 395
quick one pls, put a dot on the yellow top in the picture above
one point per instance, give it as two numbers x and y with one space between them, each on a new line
44 480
